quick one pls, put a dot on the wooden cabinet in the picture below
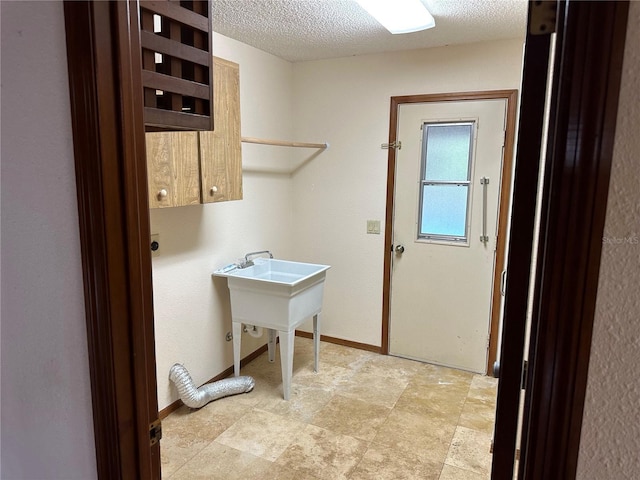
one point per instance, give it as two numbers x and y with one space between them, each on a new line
220 150
173 170
189 168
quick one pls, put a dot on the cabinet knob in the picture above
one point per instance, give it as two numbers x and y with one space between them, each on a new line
213 190
162 194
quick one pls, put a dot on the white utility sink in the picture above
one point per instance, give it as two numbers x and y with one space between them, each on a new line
278 295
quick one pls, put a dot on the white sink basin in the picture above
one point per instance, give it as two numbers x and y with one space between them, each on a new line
278 295
281 272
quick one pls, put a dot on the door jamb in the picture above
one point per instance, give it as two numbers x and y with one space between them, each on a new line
105 86
511 97
584 108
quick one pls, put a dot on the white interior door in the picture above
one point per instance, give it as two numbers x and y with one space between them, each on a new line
446 198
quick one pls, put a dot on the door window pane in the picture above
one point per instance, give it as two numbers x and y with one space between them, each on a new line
445 184
447 150
444 210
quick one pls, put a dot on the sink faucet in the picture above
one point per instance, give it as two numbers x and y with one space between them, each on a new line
247 262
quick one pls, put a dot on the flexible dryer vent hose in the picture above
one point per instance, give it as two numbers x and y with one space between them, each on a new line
198 397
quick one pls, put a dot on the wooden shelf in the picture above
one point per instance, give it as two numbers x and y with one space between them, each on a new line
281 143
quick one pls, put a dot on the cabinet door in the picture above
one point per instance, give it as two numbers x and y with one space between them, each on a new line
220 150
173 171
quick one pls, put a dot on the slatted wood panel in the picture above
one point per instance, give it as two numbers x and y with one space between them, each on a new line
173 169
177 76
221 150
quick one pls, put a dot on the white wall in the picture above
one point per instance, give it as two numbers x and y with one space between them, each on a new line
192 311
316 214
610 439
47 424
346 102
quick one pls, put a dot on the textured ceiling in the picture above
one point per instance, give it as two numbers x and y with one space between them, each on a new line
301 30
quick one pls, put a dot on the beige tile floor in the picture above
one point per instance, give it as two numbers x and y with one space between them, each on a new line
363 416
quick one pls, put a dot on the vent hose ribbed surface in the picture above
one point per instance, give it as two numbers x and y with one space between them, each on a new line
198 397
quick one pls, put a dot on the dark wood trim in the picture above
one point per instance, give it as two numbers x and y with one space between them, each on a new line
161 81
172 407
113 218
340 341
503 221
185 72
523 208
90 184
454 96
388 229
174 11
148 56
188 121
136 215
160 44
511 97
586 83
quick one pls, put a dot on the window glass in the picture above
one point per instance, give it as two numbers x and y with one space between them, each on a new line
444 211
445 183
447 151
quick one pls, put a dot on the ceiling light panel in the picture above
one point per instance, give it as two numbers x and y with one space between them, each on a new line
399 16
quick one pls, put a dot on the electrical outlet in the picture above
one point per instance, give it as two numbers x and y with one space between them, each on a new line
155 245
373 226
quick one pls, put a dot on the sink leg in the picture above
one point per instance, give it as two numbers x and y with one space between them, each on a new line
316 342
237 337
286 361
271 345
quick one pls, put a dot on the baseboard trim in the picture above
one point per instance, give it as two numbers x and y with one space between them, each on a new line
340 341
252 356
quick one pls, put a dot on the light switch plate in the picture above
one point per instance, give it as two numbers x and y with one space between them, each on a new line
373 226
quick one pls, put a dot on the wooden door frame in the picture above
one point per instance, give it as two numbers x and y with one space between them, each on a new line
103 55
586 85
523 212
114 227
587 68
511 97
